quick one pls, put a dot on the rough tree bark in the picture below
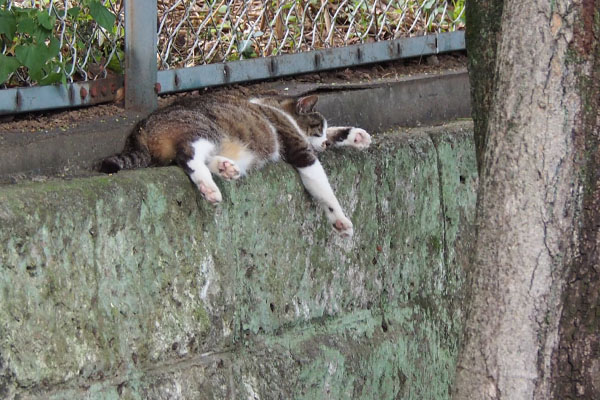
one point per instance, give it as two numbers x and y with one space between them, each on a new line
532 329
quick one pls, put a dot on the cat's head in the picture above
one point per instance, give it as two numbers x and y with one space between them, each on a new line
311 121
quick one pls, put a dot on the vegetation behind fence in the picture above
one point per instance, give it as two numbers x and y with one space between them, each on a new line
47 41
193 33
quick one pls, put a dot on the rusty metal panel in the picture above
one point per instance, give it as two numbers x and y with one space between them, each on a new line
140 55
177 80
38 98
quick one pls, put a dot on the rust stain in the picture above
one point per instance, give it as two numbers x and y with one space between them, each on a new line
120 95
555 24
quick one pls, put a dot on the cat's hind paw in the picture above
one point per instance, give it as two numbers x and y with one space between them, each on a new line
226 168
358 138
343 226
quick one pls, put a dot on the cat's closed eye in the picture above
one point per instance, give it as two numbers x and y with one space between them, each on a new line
316 129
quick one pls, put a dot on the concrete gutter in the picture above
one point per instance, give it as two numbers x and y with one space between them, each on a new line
62 152
132 287
377 107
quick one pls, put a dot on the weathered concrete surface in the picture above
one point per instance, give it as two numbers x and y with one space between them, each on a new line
63 150
132 287
422 100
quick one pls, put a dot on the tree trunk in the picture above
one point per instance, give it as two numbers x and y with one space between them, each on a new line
576 362
533 321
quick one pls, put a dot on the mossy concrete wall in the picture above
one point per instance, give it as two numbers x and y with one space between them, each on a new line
132 287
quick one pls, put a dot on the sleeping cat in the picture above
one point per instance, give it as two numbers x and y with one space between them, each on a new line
228 136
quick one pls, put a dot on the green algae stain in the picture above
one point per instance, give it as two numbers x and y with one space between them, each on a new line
325 377
138 273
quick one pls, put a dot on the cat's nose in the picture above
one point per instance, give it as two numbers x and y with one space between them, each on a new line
326 144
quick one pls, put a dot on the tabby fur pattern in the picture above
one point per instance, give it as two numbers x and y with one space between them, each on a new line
229 136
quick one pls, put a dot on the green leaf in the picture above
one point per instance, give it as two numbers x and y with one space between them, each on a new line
53 48
51 78
45 20
26 24
101 15
74 12
34 57
115 65
8 24
8 65
36 75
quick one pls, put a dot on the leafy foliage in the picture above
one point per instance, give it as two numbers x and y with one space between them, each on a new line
33 45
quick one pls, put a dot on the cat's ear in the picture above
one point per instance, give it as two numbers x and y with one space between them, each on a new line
306 104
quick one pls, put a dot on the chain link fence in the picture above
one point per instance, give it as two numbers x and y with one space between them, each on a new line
201 32
48 41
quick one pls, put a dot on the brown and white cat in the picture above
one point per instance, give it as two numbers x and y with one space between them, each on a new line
228 136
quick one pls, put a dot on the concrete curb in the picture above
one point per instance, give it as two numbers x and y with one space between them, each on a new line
409 101
66 152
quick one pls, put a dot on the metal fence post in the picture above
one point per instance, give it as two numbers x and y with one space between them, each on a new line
140 55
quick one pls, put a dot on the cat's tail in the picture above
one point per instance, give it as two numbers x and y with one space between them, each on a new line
126 160
135 155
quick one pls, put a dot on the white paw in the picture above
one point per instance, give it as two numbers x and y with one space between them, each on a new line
343 226
211 192
358 138
227 168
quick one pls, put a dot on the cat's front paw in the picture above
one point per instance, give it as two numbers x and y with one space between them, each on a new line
343 226
358 138
211 192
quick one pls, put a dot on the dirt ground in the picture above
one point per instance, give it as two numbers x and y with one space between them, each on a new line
44 121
